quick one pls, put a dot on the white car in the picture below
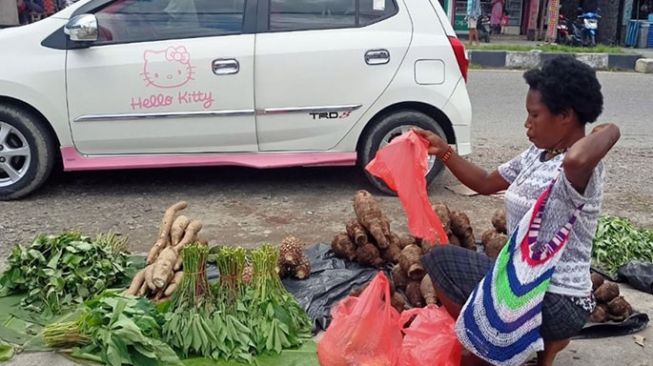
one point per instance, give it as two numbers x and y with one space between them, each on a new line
125 84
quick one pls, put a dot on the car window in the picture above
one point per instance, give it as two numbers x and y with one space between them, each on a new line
288 15
370 11
124 21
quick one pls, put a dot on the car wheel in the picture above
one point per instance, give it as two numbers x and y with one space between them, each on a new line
26 153
391 126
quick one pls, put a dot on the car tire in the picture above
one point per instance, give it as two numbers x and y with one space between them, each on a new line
385 126
18 128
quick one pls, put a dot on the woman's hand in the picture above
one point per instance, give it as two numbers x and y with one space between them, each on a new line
437 146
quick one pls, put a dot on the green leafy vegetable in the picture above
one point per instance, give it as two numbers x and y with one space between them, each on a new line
188 327
58 272
115 330
618 242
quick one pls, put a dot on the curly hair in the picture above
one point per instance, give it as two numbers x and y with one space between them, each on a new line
566 83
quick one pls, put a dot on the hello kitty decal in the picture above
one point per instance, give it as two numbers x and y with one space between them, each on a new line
169 68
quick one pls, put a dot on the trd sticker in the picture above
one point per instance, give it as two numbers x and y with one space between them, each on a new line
330 115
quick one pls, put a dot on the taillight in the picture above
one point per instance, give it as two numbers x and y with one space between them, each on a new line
461 55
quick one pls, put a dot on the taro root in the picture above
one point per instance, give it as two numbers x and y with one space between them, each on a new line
443 212
369 255
391 254
369 214
399 277
620 308
303 269
357 232
414 294
398 302
499 221
411 262
488 235
343 247
461 226
606 292
597 281
600 314
428 291
453 240
495 245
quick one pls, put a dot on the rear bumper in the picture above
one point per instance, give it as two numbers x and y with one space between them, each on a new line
459 111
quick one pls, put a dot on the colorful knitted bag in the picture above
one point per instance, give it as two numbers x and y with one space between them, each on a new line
501 320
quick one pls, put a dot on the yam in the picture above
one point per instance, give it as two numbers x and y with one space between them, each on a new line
597 281
499 221
164 231
149 280
190 235
178 227
399 277
495 245
411 262
343 247
428 291
356 232
369 214
163 267
414 294
606 292
620 307
396 240
391 254
600 314
369 255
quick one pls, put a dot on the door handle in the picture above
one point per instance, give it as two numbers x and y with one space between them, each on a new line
377 57
225 66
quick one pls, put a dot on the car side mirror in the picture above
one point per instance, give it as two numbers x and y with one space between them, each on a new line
82 28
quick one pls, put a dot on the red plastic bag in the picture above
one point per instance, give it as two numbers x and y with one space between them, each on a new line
430 339
402 165
364 331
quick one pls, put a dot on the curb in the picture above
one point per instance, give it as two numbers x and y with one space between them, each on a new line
528 60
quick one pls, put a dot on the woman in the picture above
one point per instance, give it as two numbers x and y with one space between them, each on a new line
497 14
563 97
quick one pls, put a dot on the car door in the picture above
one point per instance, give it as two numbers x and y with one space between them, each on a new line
320 64
164 76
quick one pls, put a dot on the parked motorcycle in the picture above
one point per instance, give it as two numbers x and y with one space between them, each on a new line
583 31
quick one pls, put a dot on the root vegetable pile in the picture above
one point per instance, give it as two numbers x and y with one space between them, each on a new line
292 260
610 306
367 239
163 273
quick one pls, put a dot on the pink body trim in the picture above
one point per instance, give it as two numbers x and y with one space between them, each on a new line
74 161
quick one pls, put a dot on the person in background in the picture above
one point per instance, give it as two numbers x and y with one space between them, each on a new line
473 15
496 15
